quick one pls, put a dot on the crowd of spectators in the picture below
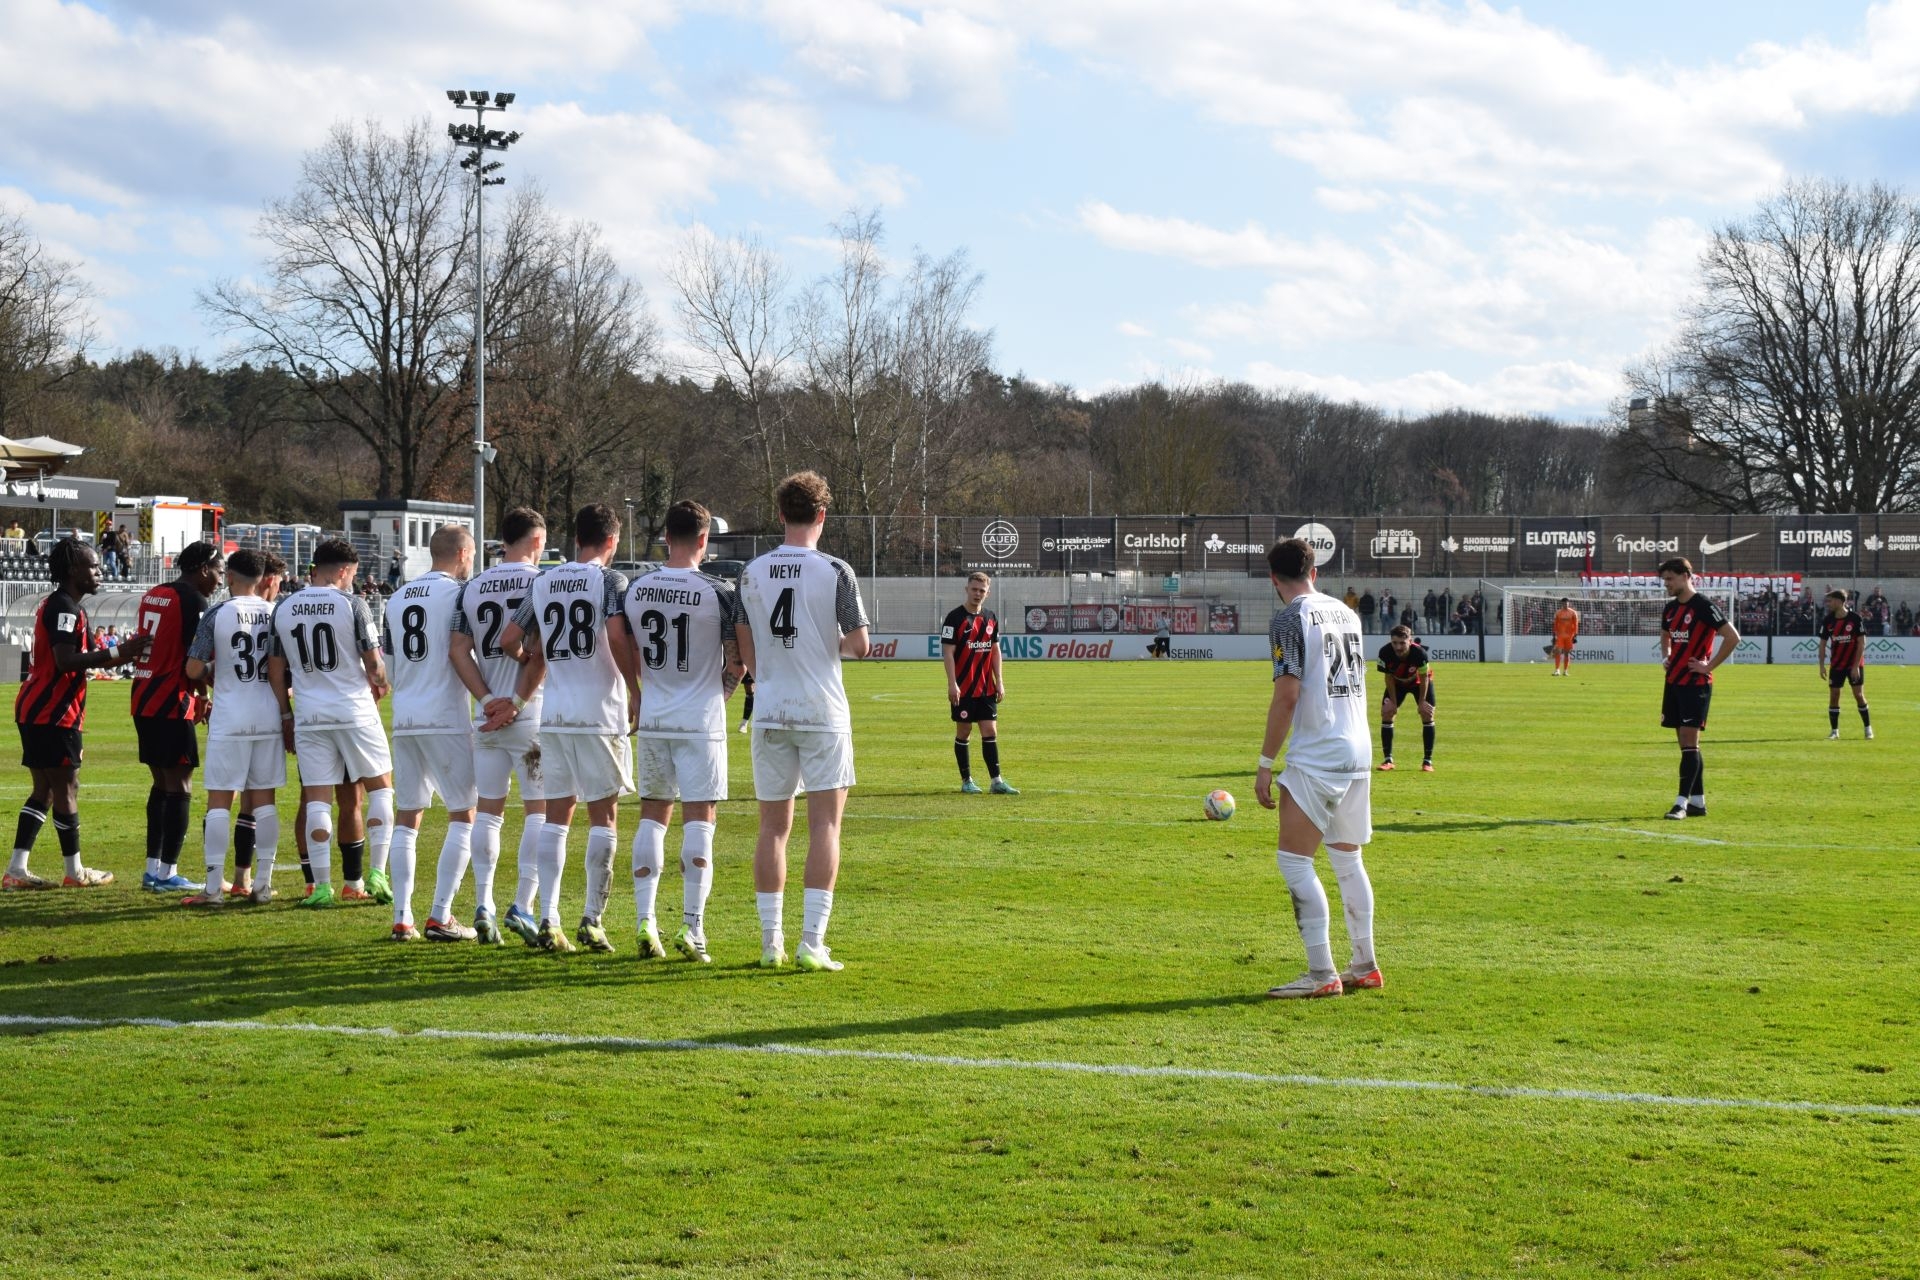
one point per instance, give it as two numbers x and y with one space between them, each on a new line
1439 613
1772 613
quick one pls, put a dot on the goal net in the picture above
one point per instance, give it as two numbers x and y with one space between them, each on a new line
1526 624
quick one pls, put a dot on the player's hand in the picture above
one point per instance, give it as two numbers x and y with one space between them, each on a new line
202 710
1263 788
1823 671
1001 696
1699 667
953 692
135 647
286 736
499 713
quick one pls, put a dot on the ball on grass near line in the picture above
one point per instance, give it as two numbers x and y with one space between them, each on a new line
1219 805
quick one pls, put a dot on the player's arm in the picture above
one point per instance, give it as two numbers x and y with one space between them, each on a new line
1286 696
1820 655
626 658
999 675
949 646
851 614
523 626
733 631
67 656
1729 641
282 691
199 666
368 643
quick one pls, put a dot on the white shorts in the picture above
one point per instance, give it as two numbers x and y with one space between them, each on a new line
789 761
586 766
1341 807
504 753
341 753
680 768
430 764
244 764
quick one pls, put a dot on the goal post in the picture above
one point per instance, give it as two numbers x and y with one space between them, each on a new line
1526 622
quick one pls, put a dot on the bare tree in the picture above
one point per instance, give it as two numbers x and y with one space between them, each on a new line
367 282
1795 381
44 322
1162 446
940 354
732 304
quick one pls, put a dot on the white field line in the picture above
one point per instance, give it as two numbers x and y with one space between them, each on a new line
1051 1066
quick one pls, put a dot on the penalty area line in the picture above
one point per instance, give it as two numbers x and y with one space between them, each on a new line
1122 1070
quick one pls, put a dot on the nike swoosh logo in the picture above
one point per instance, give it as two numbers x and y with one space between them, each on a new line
1708 548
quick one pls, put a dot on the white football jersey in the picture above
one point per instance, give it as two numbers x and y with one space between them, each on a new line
321 632
486 605
427 694
681 620
1316 639
799 602
234 639
567 613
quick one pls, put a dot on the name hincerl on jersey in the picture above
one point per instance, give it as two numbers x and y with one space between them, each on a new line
567 584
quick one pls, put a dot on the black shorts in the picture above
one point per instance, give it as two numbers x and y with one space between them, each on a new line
1685 706
166 743
971 710
1406 691
1840 677
43 746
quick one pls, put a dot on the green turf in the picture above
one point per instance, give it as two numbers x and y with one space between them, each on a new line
1538 925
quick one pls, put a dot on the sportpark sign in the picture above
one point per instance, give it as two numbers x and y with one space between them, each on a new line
1818 547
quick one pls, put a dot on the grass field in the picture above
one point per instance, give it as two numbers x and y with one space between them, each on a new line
1539 927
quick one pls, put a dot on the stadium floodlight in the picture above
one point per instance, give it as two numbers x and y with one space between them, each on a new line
477 138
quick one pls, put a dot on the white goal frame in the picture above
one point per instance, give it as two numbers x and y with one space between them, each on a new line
1526 614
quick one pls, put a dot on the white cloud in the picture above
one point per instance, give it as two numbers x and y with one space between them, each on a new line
1350 199
1529 388
1420 285
1192 352
1130 329
778 146
881 51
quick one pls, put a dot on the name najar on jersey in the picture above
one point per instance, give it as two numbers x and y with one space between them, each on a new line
487 604
681 621
1316 640
800 601
321 632
234 640
567 613
428 697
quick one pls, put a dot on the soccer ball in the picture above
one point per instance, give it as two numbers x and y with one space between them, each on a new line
1219 806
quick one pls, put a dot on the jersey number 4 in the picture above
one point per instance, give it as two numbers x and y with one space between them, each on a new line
780 622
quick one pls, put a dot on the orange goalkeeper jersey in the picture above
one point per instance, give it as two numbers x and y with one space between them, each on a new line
1566 625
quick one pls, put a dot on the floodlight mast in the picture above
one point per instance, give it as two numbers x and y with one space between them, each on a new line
479 139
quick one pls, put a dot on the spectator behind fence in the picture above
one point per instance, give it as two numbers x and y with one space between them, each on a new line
1367 606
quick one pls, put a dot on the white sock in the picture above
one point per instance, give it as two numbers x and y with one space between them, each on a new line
18 865
266 834
1356 903
401 870
455 851
600 844
316 837
379 827
486 857
1310 910
527 863
72 864
817 909
155 866
553 861
696 875
217 835
649 856
771 906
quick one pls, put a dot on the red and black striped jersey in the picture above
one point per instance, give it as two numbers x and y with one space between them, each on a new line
1404 668
49 696
1846 638
1693 626
975 638
161 690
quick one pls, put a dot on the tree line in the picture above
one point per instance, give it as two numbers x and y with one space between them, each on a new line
349 373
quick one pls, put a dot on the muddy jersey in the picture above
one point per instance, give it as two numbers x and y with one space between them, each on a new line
682 621
567 613
486 606
321 632
234 640
427 694
799 602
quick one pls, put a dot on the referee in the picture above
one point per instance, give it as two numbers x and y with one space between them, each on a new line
970 648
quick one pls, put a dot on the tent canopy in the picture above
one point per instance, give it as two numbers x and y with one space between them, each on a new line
39 454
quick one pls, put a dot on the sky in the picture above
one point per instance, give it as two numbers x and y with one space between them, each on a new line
1423 205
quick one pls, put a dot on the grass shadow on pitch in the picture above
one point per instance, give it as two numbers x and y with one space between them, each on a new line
953 1020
